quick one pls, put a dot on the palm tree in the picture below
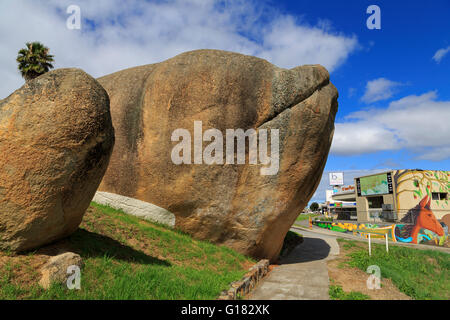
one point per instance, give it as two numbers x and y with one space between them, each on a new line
34 60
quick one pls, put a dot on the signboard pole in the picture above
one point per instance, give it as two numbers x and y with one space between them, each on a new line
387 243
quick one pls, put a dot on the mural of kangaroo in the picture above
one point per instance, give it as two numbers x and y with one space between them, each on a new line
423 218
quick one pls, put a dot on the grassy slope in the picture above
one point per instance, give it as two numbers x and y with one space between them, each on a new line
421 274
128 258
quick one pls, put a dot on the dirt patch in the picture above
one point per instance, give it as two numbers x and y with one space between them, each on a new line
247 264
353 279
23 269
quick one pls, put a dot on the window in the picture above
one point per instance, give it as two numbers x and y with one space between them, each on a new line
439 195
375 202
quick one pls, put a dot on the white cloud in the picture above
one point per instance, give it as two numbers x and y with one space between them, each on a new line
379 89
415 123
364 136
440 54
285 40
131 33
435 154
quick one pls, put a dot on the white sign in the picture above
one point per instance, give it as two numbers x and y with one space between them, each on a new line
336 178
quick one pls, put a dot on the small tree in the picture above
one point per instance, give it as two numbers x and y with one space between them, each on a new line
34 60
314 206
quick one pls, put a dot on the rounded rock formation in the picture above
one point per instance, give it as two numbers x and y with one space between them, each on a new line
56 138
231 204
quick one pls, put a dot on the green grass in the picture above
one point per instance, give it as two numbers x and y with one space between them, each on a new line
337 293
302 217
420 274
129 258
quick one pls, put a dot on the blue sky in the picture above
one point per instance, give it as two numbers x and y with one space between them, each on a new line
394 104
402 53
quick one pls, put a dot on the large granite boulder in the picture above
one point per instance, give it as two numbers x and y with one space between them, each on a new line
56 138
237 205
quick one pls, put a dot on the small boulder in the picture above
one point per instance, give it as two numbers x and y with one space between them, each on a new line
56 138
56 269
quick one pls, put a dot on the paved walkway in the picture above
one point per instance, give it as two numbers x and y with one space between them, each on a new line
303 274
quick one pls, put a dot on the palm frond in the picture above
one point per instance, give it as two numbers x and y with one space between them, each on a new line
34 60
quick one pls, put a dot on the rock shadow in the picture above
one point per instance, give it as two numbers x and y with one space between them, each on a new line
312 249
90 244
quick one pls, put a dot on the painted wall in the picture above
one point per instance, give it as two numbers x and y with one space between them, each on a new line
395 232
421 219
420 225
421 216
411 186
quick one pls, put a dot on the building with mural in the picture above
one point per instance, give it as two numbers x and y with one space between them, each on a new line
389 196
409 206
416 201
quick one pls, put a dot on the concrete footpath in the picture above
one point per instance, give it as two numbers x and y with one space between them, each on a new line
303 274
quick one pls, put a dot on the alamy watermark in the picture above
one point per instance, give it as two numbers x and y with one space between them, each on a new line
74 20
213 152
374 280
74 279
374 20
